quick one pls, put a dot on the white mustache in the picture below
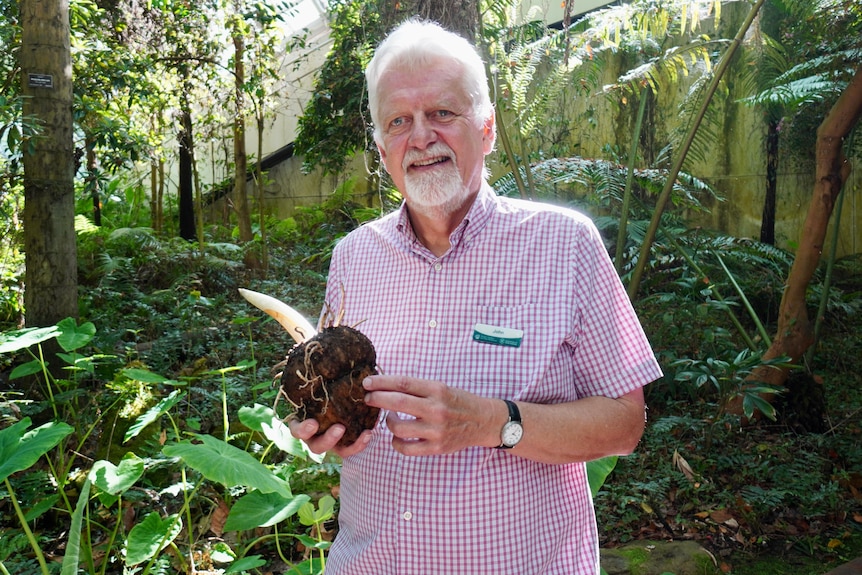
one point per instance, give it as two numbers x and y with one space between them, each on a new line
427 156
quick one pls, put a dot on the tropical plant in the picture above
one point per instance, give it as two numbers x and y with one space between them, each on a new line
253 493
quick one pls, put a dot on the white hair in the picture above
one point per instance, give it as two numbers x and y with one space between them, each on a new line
414 45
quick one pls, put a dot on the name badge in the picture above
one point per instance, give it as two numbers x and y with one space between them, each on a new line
494 335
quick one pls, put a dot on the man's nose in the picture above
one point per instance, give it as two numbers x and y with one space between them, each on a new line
422 133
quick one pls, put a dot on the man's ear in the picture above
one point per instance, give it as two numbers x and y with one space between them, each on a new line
381 150
489 133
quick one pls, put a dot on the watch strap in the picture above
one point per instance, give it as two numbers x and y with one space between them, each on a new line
514 412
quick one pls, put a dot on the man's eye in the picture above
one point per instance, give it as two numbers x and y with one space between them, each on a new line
442 114
397 122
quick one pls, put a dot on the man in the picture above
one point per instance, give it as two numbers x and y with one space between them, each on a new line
510 351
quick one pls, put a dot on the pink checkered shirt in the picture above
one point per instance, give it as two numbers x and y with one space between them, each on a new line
512 264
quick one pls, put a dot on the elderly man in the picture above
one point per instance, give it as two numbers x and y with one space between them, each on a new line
510 354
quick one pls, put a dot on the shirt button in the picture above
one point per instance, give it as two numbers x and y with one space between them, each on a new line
407 515
438 266
432 323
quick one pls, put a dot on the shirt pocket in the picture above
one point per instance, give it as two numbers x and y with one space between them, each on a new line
497 369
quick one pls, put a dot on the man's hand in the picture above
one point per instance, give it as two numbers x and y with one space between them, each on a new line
307 431
429 418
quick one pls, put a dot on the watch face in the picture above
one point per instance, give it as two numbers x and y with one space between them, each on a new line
512 433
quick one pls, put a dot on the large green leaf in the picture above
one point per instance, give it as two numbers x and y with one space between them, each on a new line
117 479
598 470
145 375
151 536
223 463
258 509
153 414
25 369
20 450
73 336
12 341
245 564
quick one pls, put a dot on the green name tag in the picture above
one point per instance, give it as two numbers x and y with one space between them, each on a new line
494 335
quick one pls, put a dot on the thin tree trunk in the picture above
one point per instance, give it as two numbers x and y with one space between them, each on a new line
767 219
186 194
240 156
49 196
93 182
258 186
643 258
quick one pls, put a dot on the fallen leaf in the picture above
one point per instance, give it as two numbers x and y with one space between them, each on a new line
720 516
219 517
681 464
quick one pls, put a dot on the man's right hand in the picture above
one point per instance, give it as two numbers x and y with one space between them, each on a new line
327 441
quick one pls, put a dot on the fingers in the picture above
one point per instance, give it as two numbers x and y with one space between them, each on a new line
355 447
307 431
402 394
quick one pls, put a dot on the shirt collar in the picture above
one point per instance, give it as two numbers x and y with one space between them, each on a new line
474 222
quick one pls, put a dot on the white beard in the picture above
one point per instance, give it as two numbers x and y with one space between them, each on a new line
438 193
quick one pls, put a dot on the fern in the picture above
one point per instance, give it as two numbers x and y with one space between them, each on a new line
13 544
602 182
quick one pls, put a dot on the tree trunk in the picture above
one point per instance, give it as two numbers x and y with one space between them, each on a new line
93 182
187 194
49 195
795 332
240 156
459 16
767 219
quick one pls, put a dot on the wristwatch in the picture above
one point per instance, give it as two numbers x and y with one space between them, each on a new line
513 430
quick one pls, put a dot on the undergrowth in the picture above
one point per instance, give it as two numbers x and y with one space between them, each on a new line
775 490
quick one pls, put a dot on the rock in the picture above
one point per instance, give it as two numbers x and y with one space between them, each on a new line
852 568
658 558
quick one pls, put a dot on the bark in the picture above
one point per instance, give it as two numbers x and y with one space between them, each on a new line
459 16
49 197
187 194
767 220
795 332
93 182
240 156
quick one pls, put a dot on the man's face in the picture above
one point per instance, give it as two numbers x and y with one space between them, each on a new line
430 143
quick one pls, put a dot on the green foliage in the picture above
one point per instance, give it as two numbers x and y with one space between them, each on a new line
257 485
799 71
335 122
151 403
728 379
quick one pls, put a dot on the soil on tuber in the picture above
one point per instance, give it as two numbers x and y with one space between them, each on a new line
323 376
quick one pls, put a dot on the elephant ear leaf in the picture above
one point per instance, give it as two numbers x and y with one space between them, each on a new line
20 449
151 536
228 465
117 479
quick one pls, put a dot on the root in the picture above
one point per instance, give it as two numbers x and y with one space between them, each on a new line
281 393
329 319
